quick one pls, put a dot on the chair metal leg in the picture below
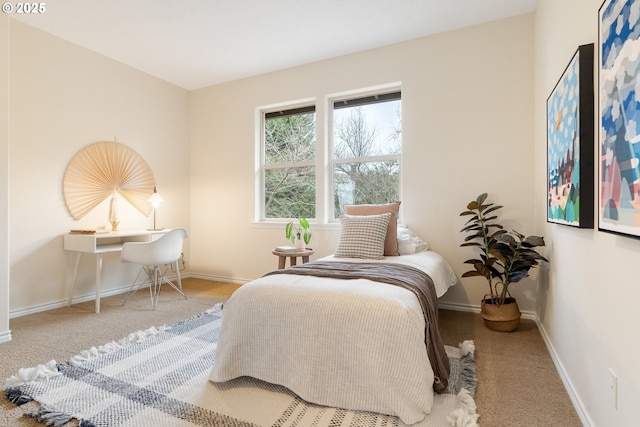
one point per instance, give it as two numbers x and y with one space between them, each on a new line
154 288
177 287
155 277
135 285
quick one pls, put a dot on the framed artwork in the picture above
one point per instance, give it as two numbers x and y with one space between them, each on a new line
570 136
619 116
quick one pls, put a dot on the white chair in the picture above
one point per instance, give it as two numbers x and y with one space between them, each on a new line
153 256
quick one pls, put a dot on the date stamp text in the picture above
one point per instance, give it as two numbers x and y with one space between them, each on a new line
24 8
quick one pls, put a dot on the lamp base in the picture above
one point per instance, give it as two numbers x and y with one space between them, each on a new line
155 229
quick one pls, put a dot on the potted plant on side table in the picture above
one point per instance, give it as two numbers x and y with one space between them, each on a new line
505 258
300 235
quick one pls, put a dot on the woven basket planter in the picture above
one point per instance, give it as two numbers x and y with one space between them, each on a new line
503 318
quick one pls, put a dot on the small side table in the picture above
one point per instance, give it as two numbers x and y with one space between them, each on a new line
292 255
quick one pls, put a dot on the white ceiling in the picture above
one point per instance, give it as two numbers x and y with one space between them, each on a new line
197 43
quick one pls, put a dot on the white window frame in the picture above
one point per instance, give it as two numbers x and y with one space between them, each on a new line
324 161
261 167
329 172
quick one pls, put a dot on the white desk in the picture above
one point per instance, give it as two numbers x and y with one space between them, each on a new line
98 244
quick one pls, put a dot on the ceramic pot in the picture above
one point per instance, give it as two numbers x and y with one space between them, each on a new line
300 245
504 317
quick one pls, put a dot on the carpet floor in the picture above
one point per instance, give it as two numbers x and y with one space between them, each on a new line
517 381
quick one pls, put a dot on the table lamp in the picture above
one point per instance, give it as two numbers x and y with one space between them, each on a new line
155 200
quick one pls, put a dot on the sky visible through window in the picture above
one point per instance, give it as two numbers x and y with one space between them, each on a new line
384 118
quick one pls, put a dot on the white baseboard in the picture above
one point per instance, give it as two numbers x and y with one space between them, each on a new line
568 385
78 299
5 337
59 304
459 307
111 292
220 279
472 308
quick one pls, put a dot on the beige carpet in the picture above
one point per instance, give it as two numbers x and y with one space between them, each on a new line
517 382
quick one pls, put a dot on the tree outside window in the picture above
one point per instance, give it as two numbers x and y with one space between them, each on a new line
364 164
367 144
289 164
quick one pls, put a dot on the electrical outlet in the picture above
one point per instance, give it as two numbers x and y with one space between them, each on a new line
613 388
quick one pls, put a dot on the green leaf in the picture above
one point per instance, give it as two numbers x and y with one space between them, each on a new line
481 208
516 276
493 208
482 269
498 232
481 198
534 241
472 273
474 236
470 244
471 227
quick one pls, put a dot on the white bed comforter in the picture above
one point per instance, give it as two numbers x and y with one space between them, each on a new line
354 344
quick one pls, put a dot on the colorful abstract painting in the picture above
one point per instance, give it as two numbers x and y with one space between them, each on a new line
619 147
570 143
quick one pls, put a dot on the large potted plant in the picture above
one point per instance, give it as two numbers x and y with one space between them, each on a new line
506 257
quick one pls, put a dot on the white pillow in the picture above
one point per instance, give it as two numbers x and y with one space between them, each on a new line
362 236
409 242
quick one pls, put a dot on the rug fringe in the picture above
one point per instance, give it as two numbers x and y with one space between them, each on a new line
38 373
467 374
465 414
48 416
467 347
133 338
16 396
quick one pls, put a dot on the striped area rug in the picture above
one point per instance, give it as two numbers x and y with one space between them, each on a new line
159 377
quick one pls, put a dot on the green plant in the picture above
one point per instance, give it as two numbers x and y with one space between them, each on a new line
300 231
505 256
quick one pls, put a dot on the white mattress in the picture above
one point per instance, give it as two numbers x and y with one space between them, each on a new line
354 344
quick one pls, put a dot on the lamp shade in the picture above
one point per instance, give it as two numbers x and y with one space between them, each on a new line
156 199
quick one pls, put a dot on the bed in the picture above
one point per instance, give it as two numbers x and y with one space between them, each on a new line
349 342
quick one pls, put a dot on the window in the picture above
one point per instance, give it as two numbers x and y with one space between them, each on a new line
356 161
289 170
367 144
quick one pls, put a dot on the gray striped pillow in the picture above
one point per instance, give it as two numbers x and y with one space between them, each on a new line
362 236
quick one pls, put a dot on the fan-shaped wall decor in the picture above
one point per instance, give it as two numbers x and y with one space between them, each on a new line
102 168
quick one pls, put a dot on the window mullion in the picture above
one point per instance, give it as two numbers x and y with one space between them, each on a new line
289 165
387 158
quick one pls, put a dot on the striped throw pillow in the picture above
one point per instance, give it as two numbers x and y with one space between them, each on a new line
362 236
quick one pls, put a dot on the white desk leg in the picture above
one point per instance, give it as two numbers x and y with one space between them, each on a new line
98 275
73 284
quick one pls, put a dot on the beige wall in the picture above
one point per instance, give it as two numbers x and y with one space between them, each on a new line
64 97
467 100
587 305
5 334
